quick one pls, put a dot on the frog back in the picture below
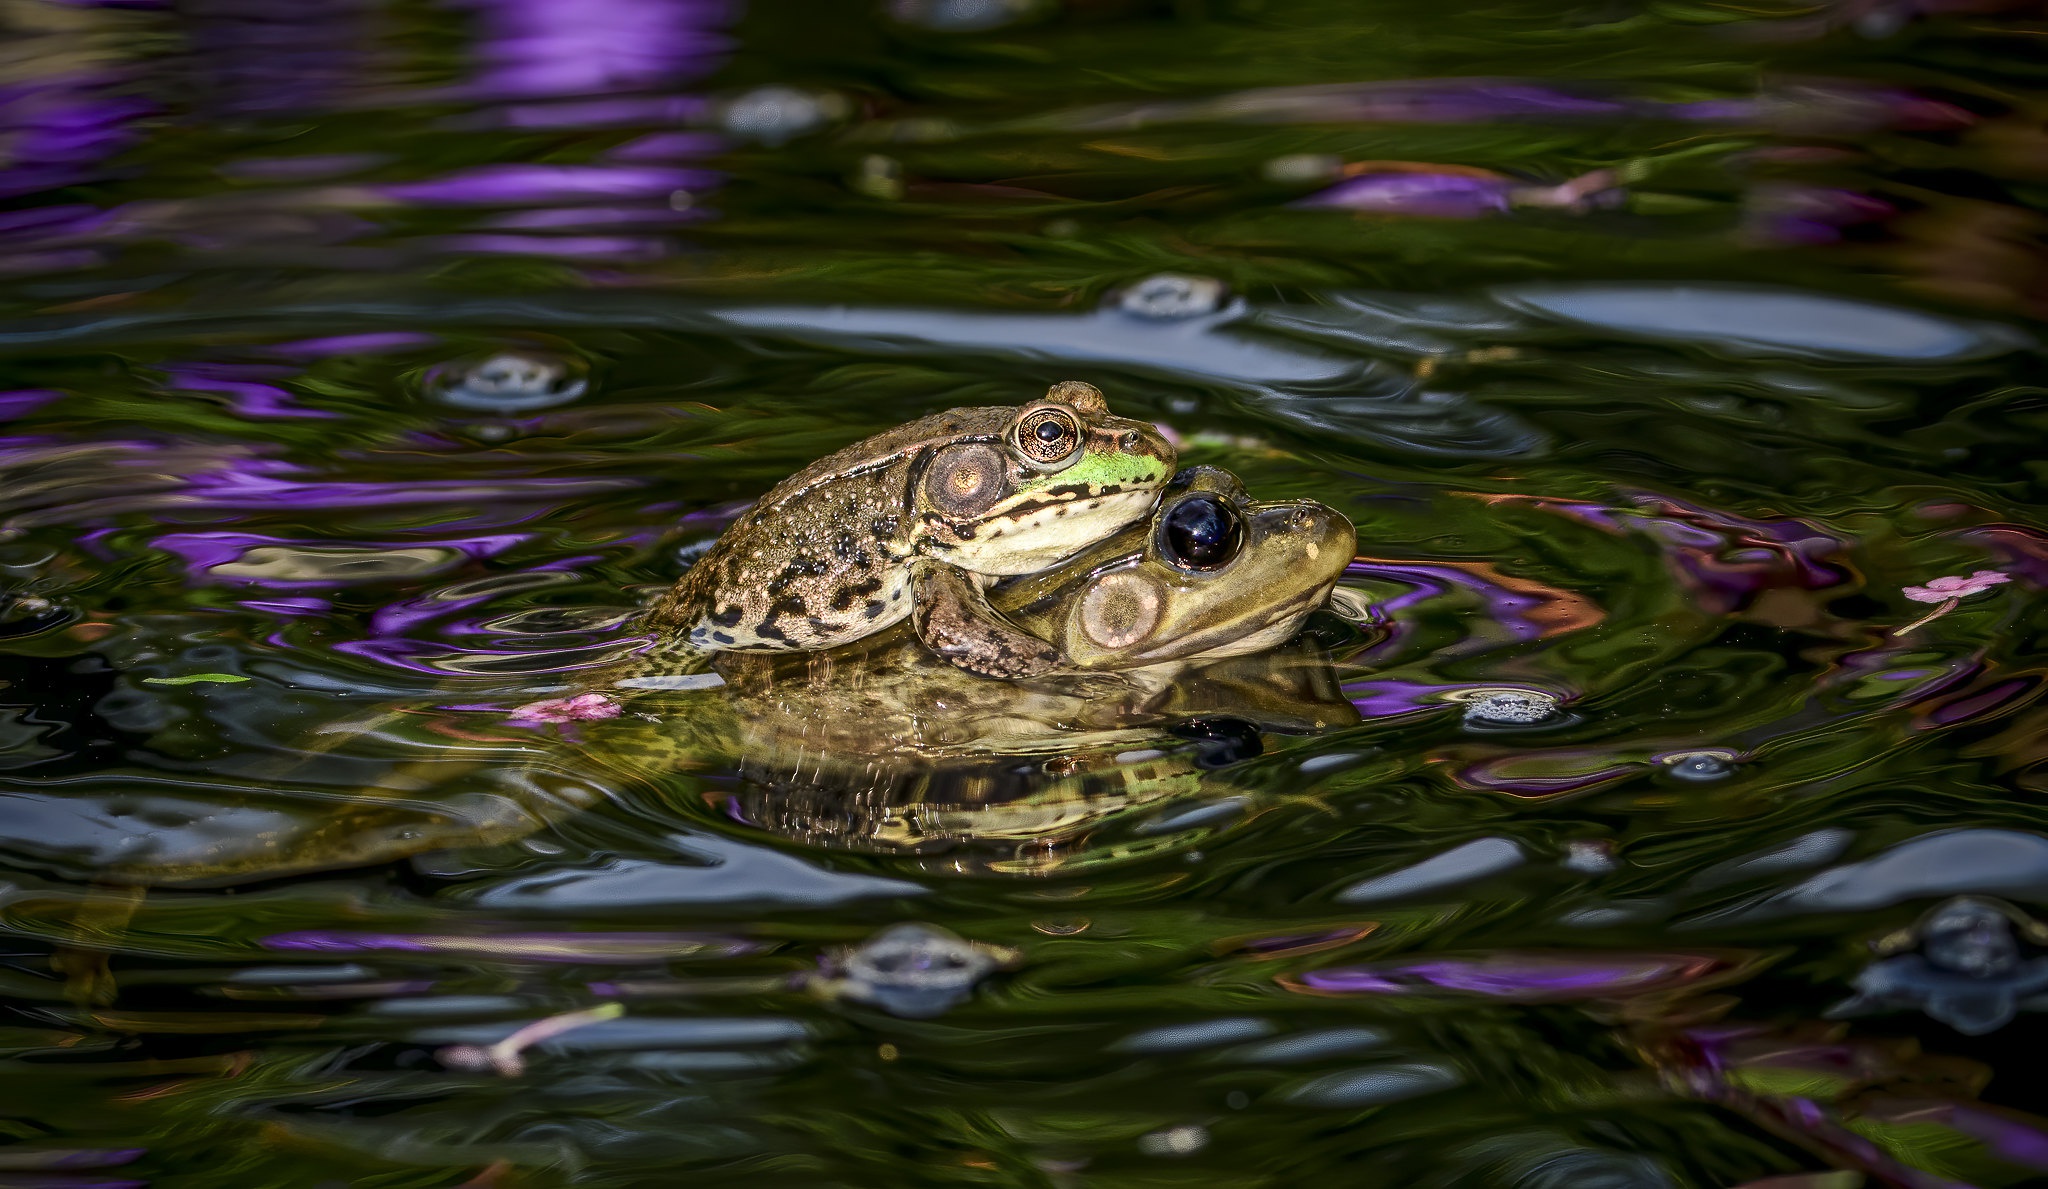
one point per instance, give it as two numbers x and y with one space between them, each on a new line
867 461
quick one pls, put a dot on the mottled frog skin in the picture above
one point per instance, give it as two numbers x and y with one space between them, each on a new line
912 522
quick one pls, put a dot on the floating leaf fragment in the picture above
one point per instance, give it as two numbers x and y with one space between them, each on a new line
196 679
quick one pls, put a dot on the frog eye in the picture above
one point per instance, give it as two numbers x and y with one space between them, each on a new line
1048 435
1202 533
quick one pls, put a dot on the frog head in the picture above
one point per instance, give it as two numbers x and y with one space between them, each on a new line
1061 475
1212 573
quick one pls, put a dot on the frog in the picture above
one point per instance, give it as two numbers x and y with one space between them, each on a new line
1169 635
914 523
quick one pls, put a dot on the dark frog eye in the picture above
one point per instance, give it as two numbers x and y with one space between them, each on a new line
1048 435
1202 533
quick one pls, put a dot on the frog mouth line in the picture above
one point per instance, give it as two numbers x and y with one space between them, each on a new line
1051 500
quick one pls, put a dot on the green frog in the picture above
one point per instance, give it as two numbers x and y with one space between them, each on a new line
1163 630
913 523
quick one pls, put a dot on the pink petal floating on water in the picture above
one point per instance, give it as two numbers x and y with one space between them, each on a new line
581 708
1949 590
1941 590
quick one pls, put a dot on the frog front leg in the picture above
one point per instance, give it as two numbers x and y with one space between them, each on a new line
953 618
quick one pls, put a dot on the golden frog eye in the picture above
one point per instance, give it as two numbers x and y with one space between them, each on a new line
1048 435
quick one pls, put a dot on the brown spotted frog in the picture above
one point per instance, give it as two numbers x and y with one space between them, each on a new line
914 523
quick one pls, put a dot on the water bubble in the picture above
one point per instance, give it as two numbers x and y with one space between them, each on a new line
1699 765
1508 707
1304 168
1589 856
508 382
879 177
1184 1140
1967 969
1172 295
1969 936
916 970
774 114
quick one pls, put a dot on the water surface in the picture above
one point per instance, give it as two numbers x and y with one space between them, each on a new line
367 364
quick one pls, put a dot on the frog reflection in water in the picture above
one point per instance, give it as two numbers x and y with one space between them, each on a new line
912 523
1159 628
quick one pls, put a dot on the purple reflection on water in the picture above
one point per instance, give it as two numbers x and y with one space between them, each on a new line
1790 213
1527 610
2011 1139
1978 703
579 247
535 49
603 113
289 608
1435 195
23 401
1391 698
667 146
2022 551
515 185
247 394
1726 560
1520 976
57 130
373 343
408 614
551 218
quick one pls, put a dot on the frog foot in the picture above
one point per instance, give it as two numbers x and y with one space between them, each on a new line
953 618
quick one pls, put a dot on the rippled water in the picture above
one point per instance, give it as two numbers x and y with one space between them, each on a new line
367 365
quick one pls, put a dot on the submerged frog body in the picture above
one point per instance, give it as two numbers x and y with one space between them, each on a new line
1036 786
913 522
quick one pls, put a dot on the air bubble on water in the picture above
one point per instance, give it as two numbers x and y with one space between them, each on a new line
508 382
1184 1140
1170 295
1589 856
915 970
1299 169
1508 707
879 177
1699 766
775 114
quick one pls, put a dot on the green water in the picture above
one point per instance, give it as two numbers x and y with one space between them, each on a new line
1654 349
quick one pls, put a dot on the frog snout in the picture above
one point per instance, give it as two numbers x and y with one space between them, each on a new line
1322 535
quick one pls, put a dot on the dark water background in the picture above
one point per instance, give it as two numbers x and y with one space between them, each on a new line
1654 348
